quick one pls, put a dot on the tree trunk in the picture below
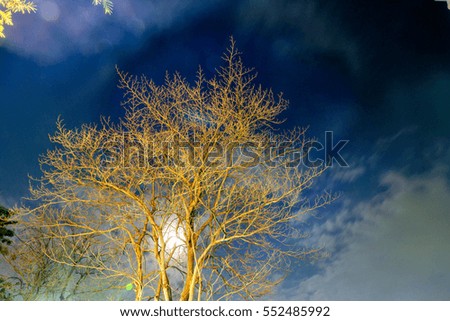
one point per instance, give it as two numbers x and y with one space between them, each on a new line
189 273
139 284
167 291
139 292
191 244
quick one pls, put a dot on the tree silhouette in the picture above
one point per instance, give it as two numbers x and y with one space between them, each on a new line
5 232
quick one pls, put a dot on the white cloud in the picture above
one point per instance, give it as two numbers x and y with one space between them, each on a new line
348 175
7 202
61 28
393 247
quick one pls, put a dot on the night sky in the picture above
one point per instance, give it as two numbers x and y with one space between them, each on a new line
376 73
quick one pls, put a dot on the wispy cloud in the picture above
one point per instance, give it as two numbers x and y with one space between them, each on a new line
393 246
349 175
7 202
62 28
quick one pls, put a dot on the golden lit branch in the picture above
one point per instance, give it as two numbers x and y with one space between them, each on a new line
192 195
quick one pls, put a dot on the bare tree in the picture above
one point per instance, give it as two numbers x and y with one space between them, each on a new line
193 195
33 275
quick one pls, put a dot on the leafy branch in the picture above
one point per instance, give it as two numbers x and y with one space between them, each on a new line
8 7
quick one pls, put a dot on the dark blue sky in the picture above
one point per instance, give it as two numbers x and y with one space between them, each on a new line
374 72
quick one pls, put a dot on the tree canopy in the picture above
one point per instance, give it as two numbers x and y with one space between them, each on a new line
193 195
